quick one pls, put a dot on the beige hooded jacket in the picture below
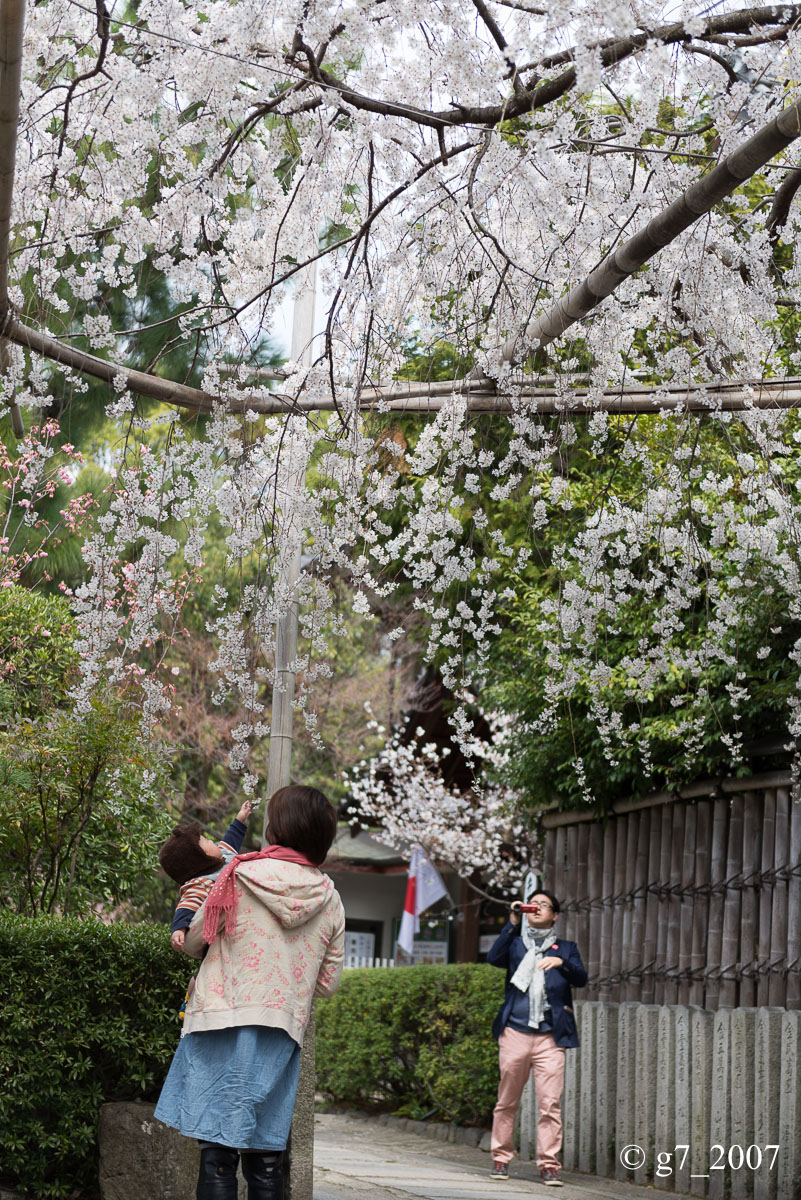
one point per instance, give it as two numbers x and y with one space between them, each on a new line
287 948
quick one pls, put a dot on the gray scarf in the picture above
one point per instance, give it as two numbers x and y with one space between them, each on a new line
528 977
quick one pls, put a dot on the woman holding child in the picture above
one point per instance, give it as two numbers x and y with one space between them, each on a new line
274 926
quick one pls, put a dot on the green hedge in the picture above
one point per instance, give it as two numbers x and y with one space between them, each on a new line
415 1039
89 1015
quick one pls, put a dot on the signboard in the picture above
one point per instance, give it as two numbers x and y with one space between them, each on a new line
358 946
531 885
430 944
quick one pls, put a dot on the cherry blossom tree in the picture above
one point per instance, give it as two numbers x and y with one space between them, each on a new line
593 204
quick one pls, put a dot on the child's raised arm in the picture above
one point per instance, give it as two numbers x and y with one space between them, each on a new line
245 811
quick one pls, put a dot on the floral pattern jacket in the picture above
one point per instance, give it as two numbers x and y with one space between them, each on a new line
287 949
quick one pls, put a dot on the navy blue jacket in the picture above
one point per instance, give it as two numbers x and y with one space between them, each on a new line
509 950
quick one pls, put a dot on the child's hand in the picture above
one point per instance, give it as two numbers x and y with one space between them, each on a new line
245 811
177 940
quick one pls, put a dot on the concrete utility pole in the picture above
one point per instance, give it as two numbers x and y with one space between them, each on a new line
292 473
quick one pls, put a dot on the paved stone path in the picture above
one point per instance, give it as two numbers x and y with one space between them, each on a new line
358 1159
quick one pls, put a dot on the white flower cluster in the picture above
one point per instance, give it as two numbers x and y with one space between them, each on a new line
227 145
480 834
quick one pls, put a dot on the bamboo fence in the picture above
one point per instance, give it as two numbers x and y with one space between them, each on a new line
689 899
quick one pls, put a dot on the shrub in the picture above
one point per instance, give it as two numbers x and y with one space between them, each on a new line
416 1038
89 1015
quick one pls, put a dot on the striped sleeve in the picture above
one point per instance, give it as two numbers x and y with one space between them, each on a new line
194 892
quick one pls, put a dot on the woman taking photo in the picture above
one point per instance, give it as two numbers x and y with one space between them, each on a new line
274 927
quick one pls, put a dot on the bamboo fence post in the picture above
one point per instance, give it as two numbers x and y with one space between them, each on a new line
749 903
652 908
560 851
686 903
581 881
730 939
549 859
596 874
674 903
766 896
720 820
608 914
627 905
618 891
660 970
777 979
12 28
794 910
638 960
700 911
572 880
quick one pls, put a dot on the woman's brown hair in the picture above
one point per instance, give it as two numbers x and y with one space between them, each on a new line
302 818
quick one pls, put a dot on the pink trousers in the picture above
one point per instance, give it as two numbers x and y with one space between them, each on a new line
520 1053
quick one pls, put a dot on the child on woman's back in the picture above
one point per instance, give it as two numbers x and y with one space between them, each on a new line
194 862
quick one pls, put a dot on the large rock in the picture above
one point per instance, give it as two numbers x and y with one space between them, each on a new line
141 1159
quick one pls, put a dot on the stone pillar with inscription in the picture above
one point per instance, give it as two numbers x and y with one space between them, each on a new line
767 1097
743 1026
645 1085
701 1022
665 1101
606 1087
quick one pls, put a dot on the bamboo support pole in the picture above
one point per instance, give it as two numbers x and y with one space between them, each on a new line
698 199
674 905
582 883
652 907
570 923
614 962
628 989
12 25
423 399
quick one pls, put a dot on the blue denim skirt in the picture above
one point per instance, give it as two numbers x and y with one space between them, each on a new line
233 1086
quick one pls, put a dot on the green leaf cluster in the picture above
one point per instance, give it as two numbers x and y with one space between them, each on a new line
90 1015
80 812
416 1040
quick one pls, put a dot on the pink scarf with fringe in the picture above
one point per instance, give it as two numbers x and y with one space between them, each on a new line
222 900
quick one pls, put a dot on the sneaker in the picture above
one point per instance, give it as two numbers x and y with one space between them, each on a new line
499 1171
550 1177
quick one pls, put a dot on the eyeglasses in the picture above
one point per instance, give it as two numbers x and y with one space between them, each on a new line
542 904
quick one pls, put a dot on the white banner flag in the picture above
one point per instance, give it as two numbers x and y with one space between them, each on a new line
425 887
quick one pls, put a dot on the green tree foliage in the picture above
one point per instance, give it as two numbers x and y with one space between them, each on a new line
693 721
37 655
80 805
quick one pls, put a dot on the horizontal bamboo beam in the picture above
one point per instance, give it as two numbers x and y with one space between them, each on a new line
694 791
421 399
